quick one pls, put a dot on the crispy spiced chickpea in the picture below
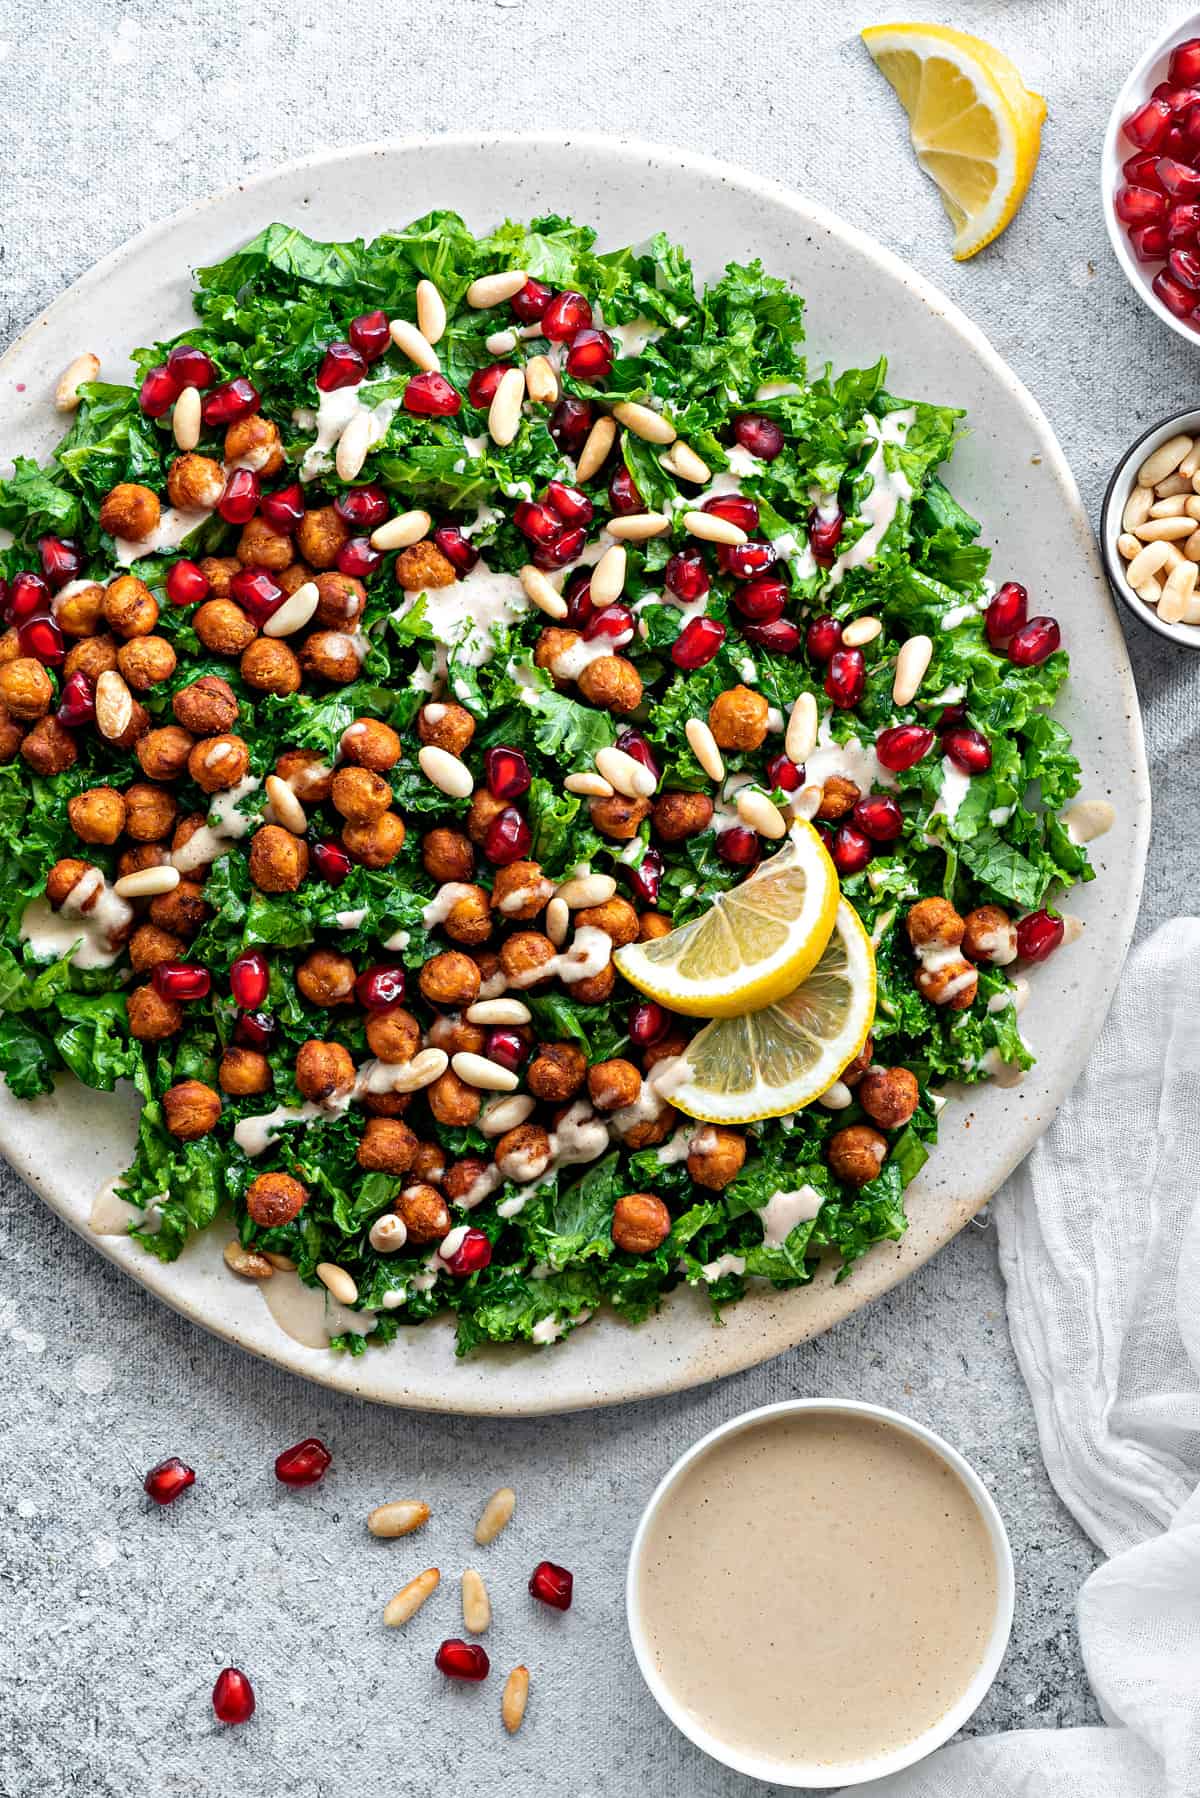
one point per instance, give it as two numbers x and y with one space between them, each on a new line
839 797
423 566
482 812
989 935
387 1105
552 647
680 815
138 725
652 925
520 891
557 1072
469 919
152 1019
856 1154
10 645
218 763
453 1103
278 860
93 657
269 666
49 748
429 1163
934 921
738 718
423 1211
889 1096
310 778
64 877
377 844
673 1042
275 1199
254 443
219 571
613 1084
611 683
854 1070
616 918
323 1070
163 753
181 911
130 608
326 978
393 1036
492 980
195 482
25 688
223 627
242 1072
641 1223
148 946
446 726
387 1146
359 794
525 957
646 1132
142 855
524 1154
450 980
131 511
320 534
461 1176
447 855
943 975
78 614
715 1156
370 743
342 601
452 1033
190 1109
144 661
10 735
618 817
293 577
331 656
261 546
206 706
596 988
150 812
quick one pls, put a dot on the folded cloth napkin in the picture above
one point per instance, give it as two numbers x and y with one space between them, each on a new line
1099 1235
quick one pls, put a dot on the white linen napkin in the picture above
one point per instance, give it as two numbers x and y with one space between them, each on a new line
1100 1246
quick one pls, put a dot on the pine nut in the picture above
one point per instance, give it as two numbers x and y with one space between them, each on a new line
1192 506
1137 508
495 1515
1164 460
1174 483
500 343
683 462
586 889
402 531
431 312
422 1070
514 1699
1150 592
185 419
541 382
1181 582
295 611
287 808
479 1072
756 810
594 786
912 665
1174 557
446 772
636 527
1165 530
594 453
801 738
388 1234
1146 563
476 1606
1191 612
1171 607
493 290
244 1261
711 528
400 1517
337 1282
75 375
1127 546
644 422
1191 462
627 775
608 576
413 343
558 922
282 1263
860 631
505 1114
1191 548
543 593
504 413
145 883
1170 508
114 705
410 1598
498 1011
704 747
353 445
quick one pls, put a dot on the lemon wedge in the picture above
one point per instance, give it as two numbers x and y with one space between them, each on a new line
754 943
776 1060
975 126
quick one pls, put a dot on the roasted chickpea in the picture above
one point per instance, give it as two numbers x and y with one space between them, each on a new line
557 1072
452 1033
482 813
93 657
190 1109
269 666
206 706
524 1154
243 1071
652 925
10 645
359 794
293 577
430 1162
369 743
10 735
387 1146
377 844
450 980
145 661
463 1176
943 976
195 483
278 860
525 956
447 855
453 1103
152 1019
142 855
616 918
856 1154
26 688
387 1105
645 1132
715 1156
218 763
130 608
64 877
275 1199
342 601
320 535
839 797
738 718
680 815
309 777
261 546
854 1070
989 935
641 1223
520 891
934 921
323 1070
163 753
492 981
596 988
613 1084
254 443
552 651
326 978
49 748
611 683
446 726
181 911
469 919
424 1212
148 946
393 1036
130 511
672 1043
618 817
137 726
78 614
219 571
332 656
423 566
889 1096
97 815
223 627
149 812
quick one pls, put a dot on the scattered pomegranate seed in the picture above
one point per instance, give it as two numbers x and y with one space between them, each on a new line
180 980
1180 180
369 335
552 1585
61 561
362 508
572 506
381 987
850 849
566 548
822 638
1038 935
471 1256
239 502
779 635
481 388
615 621
951 714
359 558
879 817
591 355
28 596
462 1660
734 508
762 598
531 302
191 367
738 846
1034 642
761 436
745 561
686 575
508 838
537 521
508 1047
623 495
507 772
42 639
1183 264
824 534
77 706
647 1023
1184 66
635 744
331 862
229 402
578 597
257 592
646 878
341 366
783 772
697 643
1176 298
284 508
846 677
1006 614
233 1696
456 548
1148 125
431 396
304 1464
565 315
158 392
570 422
254 1030
968 749
903 746
249 979
187 584
167 1480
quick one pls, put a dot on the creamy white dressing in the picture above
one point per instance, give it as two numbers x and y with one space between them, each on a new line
333 414
588 954
350 920
112 1215
851 760
1088 819
633 337
226 824
891 487
784 1210
955 787
173 526
309 1314
91 916
725 1264
465 615
570 663
399 939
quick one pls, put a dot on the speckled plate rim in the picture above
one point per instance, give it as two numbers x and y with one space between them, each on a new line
66 1144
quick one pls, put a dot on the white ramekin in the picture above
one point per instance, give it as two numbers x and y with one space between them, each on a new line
1120 486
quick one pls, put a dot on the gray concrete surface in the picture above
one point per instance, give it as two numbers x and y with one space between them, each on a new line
115 1619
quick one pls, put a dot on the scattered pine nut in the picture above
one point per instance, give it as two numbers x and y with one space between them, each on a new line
282 1263
608 576
594 453
446 772
558 922
644 422
476 1606
636 527
683 462
493 290
75 375
185 419
500 1011
625 773
760 813
912 665
114 705
337 1282
543 593
704 747
402 531
711 528
431 312
244 1261
505 1114
388 1234
486 1075
495 1515
286 807
412 342
400 1517
594 786
504 413
860 631
541 382
801 737
146 883
410 1598
1158 530
514 1700
587 889
353 445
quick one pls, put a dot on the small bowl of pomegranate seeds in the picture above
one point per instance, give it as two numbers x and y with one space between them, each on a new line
1150 528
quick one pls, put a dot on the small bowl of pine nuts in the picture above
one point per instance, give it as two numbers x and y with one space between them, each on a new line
1150 529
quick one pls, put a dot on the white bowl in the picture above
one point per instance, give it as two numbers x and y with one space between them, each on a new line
1142 79
815 1775
1119 487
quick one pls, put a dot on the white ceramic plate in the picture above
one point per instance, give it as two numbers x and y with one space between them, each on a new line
1010 470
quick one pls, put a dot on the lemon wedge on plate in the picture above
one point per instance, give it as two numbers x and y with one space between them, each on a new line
776 1060
975 126
754 943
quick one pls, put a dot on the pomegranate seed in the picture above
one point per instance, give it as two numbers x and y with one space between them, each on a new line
635 744
610 621
590 357
846 677
481 388
42 639
850 849
1038 935
255 1030
530 303
369 335
552 1585
879 817
1180 180
903 746
257 592
746 560
537 521
507 772
471 1256
1184 66
359 558
951 714
779 635
341 366
623 495
763 598
456 548
1184 264
284 508
190 366
1141 170
1148 125
239 502
738 846
233 1696
686 575
697 643
761 436
1140 205
968 749
381 987
1150 242
572 506
462 1660
783 772
734 508
1176 145
824 534
1034 642
1191 130
1006 613
578 595
647 1023
1183 224
508 838
78 704
158 392
431 396
187 584
231 401
564 315
822 638
646 878
304 1464
362 508
61 561
167 1480
508 1047
570 422
331 862
179 980
249 979
28 596
567 548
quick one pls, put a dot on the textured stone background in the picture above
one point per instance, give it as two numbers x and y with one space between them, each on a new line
115 1619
